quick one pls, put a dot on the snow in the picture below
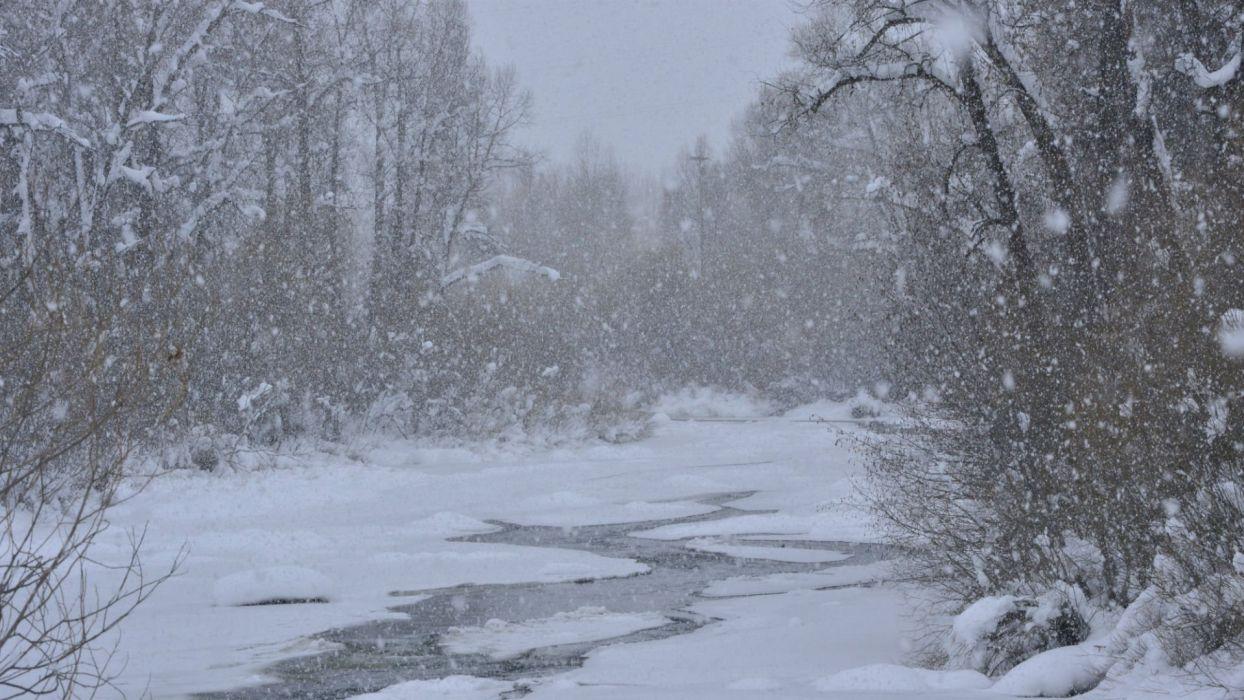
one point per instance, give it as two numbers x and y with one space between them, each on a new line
838 576
137 176
834 521
41 121
1231 334
1205 78
314 527
865 405
981 619
284 583
795 554
355 526
1118 196
248 400
451 688
877 677
505 640
779 646
148 116
1056 673
365 529
446 524
568 508
1057 220
705 402
508 262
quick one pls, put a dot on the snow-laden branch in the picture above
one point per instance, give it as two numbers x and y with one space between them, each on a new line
1205 78
148 116
930 43
261 8
41 121
850 75
197 41
507 261
183 55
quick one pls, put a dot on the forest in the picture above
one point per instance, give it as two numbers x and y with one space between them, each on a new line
1003 233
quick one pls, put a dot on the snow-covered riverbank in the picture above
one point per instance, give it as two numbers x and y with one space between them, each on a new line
344 532
352 529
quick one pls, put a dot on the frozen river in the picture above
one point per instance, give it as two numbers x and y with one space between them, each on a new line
376 655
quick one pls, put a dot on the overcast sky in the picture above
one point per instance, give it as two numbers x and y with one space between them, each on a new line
644 76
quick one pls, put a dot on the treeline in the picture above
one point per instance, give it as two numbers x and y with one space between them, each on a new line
271 193
223 223
304 219
1062 182
739 270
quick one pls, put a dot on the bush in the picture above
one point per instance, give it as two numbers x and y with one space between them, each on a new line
997 633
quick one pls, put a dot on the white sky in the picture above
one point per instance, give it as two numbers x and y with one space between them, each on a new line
644 76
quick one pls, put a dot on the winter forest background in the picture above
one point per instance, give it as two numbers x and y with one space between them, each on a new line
231 228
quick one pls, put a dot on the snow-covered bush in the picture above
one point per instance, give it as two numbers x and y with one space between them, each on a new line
865 405
202 448
390 414
709 402
1199 575
264 413
996 633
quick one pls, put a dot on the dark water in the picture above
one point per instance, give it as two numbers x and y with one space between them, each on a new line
379 654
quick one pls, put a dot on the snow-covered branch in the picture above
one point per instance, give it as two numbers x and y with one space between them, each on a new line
504 261
41 121
1205 78
846 77
261 8
148 116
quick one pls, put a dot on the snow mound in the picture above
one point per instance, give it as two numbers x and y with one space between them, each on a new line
754 684
972 628
506 640
769 584
706 402
446 524
277 584
1057 673
820 410
981 618
891 677
560 500
456 687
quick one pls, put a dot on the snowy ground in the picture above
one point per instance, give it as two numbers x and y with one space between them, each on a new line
350 529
